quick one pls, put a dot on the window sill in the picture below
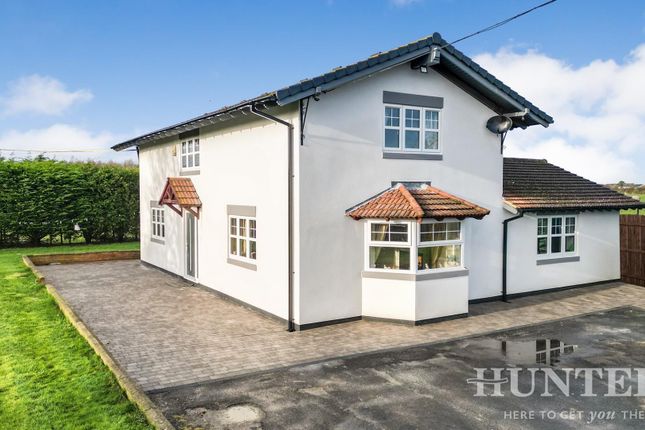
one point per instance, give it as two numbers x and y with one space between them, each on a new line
159 241
240 263
189 172
400 155
557 260
423 276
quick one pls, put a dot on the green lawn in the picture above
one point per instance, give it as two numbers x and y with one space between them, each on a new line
50 378
633 211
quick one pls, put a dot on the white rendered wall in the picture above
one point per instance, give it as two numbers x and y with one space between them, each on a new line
242 164
410 300
598 244
341 164
156 164
389 298
437 298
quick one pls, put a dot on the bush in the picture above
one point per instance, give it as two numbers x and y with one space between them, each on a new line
63 201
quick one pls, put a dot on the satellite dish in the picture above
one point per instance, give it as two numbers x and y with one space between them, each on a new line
499 124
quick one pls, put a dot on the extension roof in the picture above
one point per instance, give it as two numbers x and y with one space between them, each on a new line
536 185
416 201
180 193
453 64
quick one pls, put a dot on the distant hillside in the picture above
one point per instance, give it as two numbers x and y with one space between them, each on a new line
629 189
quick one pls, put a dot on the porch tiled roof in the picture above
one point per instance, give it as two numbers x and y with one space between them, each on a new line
185 192
531 185
180 193
416 202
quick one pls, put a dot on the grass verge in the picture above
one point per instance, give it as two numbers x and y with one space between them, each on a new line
49 376
633 211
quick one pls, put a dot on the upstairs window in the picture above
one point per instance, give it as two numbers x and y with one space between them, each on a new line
158 223
190 154
556 236
411 129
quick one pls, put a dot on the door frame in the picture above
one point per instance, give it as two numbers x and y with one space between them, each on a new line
188 216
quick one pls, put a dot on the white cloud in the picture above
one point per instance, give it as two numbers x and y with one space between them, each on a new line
41 95
62 137
599 129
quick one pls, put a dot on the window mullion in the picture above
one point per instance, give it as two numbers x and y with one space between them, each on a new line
413 239
401 129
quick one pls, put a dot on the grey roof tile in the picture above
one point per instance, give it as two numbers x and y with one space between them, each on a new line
537 185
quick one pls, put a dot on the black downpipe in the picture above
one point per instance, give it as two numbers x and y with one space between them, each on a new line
290 324
505 254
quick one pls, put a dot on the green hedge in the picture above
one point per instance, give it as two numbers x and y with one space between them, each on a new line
57 201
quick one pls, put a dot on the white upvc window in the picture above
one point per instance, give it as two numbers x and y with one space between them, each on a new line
556 235
158 218
391 245
440 245
411 129
242 238
190 157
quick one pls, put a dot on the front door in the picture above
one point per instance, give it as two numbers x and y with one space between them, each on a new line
191 245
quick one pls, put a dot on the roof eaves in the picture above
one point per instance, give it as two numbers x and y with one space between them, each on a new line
193 123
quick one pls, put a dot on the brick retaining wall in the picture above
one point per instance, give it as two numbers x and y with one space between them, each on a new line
83 257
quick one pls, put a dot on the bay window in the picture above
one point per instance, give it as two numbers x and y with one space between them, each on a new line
391 245
412 129
440 245
556 235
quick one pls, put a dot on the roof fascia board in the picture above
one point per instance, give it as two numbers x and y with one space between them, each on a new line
191 124
508 206
445 55
328 86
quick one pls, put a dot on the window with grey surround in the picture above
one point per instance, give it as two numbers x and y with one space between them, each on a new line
411 129
556 235
190 154
158 223
242 238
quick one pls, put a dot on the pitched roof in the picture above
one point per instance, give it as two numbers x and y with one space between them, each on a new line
453 63
531 184
415 202
180 193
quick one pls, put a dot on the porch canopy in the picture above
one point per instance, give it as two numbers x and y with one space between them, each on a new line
179 194
416 200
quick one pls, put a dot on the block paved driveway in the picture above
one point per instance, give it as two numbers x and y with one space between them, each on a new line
165 333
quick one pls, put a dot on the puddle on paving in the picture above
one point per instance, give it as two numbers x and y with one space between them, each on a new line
545 352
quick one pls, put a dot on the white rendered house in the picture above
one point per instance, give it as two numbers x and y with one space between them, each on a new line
374 190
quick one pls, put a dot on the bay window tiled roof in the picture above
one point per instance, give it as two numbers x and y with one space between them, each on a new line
416 202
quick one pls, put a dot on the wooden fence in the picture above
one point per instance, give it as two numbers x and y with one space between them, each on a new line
632 249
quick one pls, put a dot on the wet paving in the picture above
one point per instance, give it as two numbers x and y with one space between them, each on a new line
428 386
